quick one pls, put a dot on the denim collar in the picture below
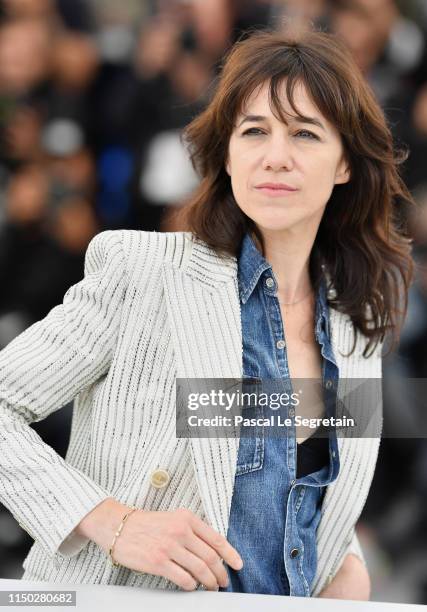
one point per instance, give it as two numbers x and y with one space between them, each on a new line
251 266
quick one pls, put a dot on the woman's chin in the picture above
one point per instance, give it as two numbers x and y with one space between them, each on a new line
278 223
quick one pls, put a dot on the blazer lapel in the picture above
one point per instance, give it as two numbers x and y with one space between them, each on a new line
204 309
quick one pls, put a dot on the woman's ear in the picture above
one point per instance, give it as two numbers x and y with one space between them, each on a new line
227 166
342 174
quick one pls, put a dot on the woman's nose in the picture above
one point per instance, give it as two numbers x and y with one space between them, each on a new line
278 156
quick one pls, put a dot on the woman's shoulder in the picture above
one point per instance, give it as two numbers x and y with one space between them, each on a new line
138 246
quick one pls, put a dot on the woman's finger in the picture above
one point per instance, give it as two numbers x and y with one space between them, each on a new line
195 565
177 574
205 552
218 542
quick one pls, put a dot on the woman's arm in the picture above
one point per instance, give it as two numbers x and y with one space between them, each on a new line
350 582
42 370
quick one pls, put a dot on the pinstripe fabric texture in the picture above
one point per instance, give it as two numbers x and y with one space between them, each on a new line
151 307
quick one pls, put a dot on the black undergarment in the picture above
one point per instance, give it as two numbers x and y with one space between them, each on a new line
312 455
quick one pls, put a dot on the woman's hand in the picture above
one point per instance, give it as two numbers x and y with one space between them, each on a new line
350 582
175 544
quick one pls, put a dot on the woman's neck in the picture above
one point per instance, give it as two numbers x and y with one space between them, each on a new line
289 256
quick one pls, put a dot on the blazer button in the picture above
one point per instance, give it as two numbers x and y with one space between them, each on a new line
159 479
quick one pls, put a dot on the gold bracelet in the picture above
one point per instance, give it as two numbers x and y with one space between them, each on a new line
118 532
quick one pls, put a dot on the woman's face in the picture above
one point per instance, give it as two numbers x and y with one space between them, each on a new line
282 176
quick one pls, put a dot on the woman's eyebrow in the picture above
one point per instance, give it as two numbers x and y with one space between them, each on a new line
310 120
248 118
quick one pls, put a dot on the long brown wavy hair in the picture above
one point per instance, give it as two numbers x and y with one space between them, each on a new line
362 239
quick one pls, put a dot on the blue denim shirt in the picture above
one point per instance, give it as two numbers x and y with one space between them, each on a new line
274 515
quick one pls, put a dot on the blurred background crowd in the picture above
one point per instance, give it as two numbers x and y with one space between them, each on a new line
93 97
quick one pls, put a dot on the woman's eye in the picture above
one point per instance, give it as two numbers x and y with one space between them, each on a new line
252 131
307 134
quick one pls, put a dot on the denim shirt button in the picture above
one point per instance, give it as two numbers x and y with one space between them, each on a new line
280 344
294 553
269 282
329 384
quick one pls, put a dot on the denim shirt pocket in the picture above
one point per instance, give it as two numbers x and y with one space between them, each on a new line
251 445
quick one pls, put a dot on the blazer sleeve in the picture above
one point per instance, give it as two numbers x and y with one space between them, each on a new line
42 370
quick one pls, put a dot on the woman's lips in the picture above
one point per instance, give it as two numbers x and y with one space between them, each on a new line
276 191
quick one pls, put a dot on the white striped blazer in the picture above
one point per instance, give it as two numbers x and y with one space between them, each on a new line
151 307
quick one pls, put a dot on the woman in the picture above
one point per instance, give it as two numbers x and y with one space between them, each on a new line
293 267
